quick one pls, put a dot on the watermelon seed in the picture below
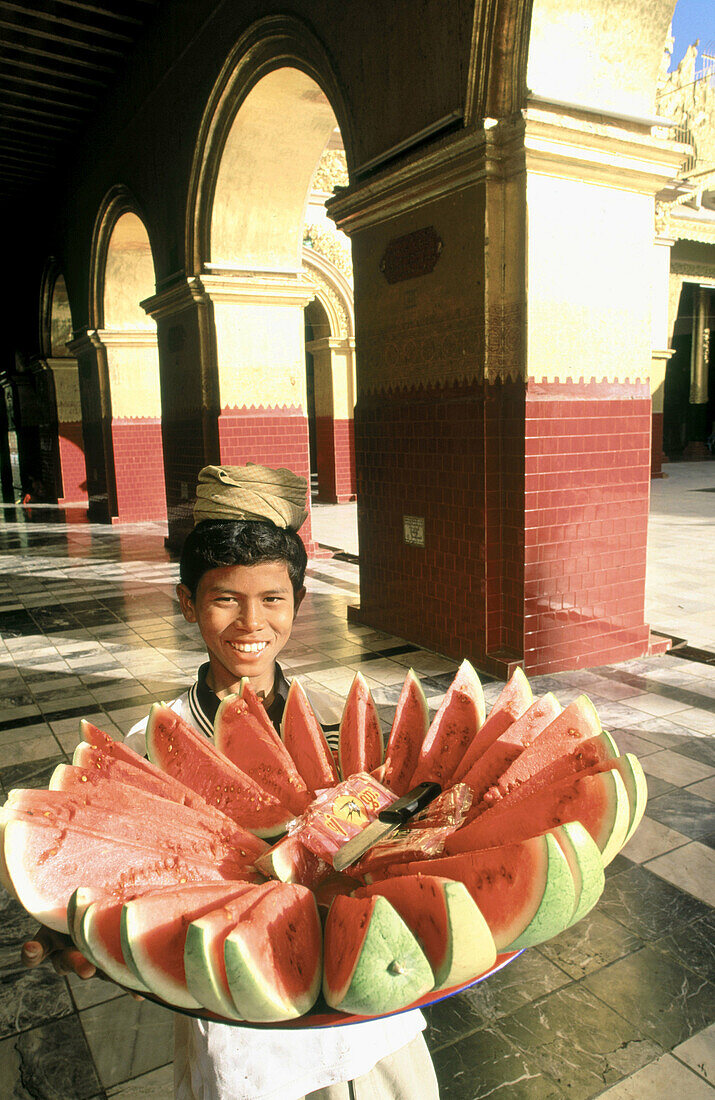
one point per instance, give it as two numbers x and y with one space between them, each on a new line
84 778
395 968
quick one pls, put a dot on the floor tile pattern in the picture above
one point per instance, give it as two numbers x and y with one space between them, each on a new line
620 1006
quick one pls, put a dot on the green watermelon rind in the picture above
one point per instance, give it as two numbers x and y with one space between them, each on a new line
586 865
143 969
201 980
634 780
557 903
123 975
373 988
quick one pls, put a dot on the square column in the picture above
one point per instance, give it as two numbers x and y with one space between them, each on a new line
73 469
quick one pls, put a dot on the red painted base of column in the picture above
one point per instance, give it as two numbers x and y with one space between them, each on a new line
72 465
335 444
587 474
656 445
139 470
273 436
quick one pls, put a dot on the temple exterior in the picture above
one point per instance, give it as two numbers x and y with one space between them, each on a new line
454 260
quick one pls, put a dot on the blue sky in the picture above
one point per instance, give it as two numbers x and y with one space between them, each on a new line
693 19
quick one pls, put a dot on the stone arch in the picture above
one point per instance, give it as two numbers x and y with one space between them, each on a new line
272 114
276 42
120 364
56 326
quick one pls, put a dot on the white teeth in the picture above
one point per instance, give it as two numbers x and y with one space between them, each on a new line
248 647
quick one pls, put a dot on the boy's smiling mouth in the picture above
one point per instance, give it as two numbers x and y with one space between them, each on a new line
247 647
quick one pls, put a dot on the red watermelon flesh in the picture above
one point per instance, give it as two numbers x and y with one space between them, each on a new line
524 890
153 934
290 861
447 924
453 728
361 747
273 956
409 729
121 752
59 810
496 759
256 708
45 863
175 747
98 935
577 723
204 963
586 758
598 801
122 798
247 744
515 699
305 741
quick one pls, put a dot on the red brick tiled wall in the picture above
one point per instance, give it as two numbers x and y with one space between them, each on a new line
139 469
72 466
335 445
587 464
273 436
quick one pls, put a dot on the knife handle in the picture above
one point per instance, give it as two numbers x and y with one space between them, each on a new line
410 804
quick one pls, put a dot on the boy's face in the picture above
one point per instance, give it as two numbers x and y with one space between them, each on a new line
245 614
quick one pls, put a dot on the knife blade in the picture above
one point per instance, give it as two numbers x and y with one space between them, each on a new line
387 822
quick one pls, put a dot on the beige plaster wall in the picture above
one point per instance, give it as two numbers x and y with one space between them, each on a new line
428 329
266 167
134 380
600 53
334 370
60 319
129 276
261 358
589 288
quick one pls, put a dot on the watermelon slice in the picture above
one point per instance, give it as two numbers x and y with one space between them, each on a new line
290 861
409 729
446 923
98 819
631 772
562 738
598 801
77 906
585 863
45 863
255 707
204 964
361 747
153 935
95 921
373 964
515 699
262 755
305 741
453 728
121 753
176 748
92 790
496 759
273 956
524 890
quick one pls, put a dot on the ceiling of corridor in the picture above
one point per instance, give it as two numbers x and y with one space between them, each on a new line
58 58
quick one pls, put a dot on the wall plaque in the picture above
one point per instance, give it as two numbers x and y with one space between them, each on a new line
410 256
414 530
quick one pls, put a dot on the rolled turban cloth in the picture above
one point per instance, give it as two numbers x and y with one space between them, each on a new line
251 492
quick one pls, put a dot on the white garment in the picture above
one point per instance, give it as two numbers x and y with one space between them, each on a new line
223 1062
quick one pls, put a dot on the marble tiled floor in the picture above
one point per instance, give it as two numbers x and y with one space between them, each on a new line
621 1006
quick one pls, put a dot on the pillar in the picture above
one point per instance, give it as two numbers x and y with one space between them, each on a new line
503 417
699 361
133 376
73 471
96 408
334 367
660 353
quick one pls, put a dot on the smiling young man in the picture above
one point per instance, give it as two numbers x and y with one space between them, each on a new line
241 581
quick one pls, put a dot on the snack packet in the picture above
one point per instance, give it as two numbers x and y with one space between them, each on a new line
340 813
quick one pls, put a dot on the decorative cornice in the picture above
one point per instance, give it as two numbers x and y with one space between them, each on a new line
678 267
258 286
181 295
127 338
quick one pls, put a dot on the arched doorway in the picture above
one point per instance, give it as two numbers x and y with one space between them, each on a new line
56 330
124 405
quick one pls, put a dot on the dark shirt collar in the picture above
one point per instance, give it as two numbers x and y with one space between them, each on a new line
209 701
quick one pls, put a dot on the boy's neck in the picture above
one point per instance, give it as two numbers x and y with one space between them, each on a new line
264 686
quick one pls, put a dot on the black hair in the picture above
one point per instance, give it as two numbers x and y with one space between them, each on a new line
217 542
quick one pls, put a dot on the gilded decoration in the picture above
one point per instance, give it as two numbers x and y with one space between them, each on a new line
336 248
332 171
439 350
325 294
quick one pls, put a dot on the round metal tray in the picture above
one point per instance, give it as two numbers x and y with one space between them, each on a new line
324 1016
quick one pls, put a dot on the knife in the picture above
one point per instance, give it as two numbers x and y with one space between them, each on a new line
387 822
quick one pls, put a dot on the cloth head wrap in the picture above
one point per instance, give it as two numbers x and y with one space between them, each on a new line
251 492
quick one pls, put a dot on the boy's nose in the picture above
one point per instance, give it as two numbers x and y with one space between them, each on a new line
249 615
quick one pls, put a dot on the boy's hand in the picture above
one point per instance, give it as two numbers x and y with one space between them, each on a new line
60 951
63 955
